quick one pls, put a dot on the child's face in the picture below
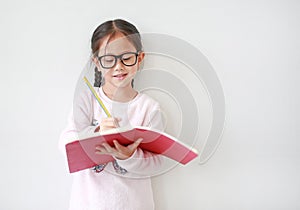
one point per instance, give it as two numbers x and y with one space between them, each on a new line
116 72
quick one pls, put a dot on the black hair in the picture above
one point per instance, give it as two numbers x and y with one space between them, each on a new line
110 28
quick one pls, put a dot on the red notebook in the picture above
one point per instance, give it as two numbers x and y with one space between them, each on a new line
81 153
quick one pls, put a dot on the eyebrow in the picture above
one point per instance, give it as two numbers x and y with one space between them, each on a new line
120 53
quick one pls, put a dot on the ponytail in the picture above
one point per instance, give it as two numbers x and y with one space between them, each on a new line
98 78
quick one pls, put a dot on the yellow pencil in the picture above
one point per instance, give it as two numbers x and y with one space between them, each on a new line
97 97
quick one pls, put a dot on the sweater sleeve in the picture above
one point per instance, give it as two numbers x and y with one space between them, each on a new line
142 162
156 120
79 121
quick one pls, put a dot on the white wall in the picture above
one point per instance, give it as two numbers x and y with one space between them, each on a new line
254 49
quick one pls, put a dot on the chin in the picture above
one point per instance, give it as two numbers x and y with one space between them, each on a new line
123 84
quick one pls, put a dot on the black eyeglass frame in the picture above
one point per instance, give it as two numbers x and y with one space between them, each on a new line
119 57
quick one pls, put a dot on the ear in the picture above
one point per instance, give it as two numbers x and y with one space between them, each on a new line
96 62
141 58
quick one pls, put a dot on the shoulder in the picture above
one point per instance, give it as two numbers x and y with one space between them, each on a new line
147 100
83 95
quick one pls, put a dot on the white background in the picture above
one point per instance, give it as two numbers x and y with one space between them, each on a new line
254 48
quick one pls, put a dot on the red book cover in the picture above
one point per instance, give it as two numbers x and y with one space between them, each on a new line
81 153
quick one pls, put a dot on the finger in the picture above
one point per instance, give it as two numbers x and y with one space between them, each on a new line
116 122
108 124
101 150
111 119
118 146
105 127
102 153
108 147
108 120
134 145
138 141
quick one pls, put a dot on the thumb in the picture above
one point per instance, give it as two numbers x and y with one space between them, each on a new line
116 121
136 143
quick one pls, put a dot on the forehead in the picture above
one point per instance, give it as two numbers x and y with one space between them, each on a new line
116 45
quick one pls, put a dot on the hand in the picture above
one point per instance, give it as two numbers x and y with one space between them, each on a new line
108 123
118 151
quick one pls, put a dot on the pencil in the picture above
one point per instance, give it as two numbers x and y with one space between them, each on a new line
97 97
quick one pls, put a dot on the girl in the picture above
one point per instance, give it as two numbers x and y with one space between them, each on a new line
117 56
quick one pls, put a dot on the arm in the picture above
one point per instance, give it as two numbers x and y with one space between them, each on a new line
79 120
143 163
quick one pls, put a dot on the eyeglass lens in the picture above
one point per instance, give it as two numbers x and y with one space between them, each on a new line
128 59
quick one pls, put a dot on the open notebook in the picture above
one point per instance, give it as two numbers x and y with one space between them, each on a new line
81 153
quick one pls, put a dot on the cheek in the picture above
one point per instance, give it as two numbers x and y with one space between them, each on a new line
106 73
133 70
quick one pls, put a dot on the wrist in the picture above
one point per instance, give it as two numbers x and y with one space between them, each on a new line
125 157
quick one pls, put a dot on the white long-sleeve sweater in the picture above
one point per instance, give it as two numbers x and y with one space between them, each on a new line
108 190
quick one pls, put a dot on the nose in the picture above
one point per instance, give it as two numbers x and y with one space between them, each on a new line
119 65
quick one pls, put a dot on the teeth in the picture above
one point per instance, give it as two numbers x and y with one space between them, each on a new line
120 75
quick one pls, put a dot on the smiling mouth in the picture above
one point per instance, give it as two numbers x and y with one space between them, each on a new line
120 76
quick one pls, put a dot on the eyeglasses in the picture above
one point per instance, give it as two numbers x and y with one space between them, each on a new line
109 61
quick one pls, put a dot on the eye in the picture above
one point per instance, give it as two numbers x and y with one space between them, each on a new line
127 57
108 59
